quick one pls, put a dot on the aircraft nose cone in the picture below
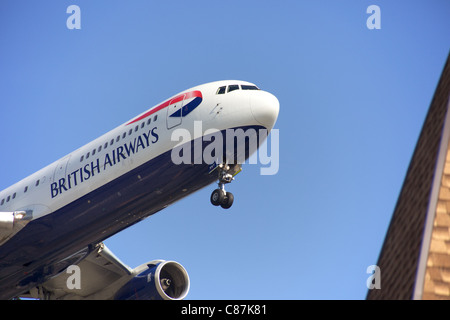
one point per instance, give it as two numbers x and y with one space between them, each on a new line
265 107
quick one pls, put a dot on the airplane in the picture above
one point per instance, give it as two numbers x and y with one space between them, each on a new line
56 219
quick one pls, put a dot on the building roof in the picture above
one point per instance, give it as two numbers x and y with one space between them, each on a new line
414 260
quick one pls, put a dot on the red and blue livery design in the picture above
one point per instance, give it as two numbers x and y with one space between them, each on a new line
191 100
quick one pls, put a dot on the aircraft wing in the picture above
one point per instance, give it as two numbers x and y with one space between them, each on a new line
102 276
99 276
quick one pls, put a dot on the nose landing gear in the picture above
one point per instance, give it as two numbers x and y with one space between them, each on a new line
220 197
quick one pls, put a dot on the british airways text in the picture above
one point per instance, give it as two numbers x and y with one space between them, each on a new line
111 158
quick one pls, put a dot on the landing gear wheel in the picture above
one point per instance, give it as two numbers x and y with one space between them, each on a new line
227 201
226 173
217 197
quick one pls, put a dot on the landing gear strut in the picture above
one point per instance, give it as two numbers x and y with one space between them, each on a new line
220 197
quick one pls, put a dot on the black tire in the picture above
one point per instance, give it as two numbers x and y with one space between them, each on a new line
217 197
227 201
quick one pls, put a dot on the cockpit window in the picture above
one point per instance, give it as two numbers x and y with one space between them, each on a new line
247 87
233 87
221 90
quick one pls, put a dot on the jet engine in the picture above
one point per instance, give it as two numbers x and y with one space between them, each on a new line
156 280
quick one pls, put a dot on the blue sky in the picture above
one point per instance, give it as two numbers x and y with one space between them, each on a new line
352 103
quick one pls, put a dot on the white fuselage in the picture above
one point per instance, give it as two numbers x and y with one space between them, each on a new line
114 165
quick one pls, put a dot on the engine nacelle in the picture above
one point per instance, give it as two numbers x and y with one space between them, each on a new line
156 280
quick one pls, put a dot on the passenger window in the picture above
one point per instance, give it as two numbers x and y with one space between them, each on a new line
118 138
233 87
88 154
106 145
130 132
111 142
221 90
26 189
14 195
155 118
3 201
93 152
149 120
142 125
82 158
124 135
99 149
37 183
136 129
